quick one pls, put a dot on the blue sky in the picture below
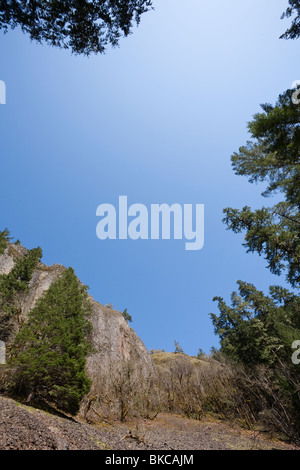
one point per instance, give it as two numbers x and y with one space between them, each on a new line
156 119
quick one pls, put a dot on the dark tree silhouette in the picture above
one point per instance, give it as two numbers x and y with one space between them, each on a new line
294 31
83 26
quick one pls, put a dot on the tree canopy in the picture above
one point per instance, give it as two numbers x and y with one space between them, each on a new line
83 26
257 330
272 156
294 31
249 329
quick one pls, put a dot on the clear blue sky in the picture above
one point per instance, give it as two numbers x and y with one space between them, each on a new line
156 119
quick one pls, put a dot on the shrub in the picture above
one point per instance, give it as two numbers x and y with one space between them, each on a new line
4 238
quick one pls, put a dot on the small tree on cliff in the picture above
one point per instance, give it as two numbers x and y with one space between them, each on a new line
14 284
178 348
4 238
127 316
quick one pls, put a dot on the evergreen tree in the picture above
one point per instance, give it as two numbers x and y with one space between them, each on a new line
178 348
255 325
294 31
273 156
4 238
48 356
258 328
12 285
83 26
127 316
200 354
18 278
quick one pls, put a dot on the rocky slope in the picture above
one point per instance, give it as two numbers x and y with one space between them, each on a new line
26 428
123 374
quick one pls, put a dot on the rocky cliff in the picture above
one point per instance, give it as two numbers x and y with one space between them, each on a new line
124 378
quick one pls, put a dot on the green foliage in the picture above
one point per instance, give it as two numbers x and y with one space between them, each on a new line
257 331
200 354
127 316
4 238
18 278
273 156
294 31
84 27
256 328
13 284
178 348
48 355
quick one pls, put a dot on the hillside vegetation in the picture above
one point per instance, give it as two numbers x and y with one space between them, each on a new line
66 352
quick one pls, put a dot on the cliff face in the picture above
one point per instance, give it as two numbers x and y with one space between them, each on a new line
122 372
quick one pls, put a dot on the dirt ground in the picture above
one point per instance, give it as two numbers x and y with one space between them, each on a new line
26 428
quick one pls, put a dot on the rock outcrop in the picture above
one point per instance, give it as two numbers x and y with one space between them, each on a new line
124 377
